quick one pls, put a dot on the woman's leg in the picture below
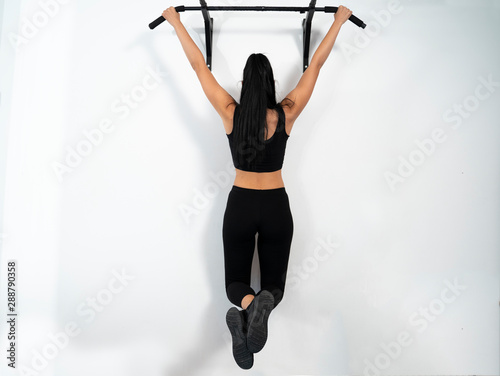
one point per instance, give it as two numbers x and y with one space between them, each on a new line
274 242
238 232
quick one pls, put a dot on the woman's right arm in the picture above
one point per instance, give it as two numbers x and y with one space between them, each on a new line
303 91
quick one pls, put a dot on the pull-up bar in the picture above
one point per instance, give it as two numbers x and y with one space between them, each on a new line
306 22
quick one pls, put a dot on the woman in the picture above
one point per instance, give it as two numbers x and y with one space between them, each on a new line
257 129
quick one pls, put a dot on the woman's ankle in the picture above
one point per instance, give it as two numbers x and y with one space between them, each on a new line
245 302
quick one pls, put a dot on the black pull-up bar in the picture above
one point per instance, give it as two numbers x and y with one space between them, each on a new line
306 22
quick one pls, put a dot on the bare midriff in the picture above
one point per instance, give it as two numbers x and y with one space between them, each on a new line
258 180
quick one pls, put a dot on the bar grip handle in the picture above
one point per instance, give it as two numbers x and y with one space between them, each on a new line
353 18
161 19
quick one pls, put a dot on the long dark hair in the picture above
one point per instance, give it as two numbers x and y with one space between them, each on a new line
258 93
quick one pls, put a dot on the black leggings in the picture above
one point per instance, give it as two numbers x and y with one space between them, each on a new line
266 212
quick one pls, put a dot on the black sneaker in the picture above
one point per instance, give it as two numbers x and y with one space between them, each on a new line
236 323
258 313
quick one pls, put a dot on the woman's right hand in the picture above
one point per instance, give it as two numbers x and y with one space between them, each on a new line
342 14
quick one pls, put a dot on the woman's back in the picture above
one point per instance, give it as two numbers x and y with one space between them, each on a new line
273 146
261 180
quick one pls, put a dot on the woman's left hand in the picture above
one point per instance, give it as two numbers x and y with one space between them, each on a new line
171 16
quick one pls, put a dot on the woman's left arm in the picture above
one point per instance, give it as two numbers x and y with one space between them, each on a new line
218 97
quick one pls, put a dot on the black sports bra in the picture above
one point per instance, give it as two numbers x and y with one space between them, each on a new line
274 148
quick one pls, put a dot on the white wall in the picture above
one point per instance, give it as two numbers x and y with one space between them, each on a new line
394 266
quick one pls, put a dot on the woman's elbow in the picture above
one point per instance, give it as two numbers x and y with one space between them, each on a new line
316 63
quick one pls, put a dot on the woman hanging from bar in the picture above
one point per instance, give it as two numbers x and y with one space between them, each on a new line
257 128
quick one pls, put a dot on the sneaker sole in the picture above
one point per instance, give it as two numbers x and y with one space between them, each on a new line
257 324
242 356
